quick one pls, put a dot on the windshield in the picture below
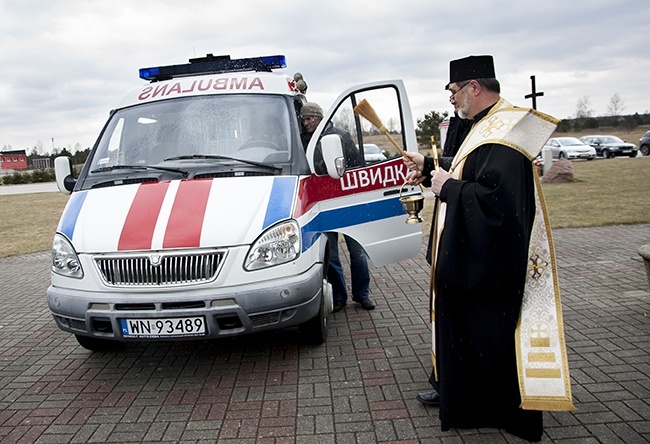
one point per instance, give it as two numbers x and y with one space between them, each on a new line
567 141
248 128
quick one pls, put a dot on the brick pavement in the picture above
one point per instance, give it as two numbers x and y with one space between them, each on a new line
357 388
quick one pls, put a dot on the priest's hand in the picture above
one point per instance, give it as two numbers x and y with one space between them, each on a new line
438 179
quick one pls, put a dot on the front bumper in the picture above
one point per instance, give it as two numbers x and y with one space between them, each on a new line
573 155
625 152
273 304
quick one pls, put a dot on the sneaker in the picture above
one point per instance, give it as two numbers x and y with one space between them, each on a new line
365 303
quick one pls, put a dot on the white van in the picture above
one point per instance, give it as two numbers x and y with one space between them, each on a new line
198 213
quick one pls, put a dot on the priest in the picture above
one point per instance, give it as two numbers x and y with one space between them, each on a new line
498 347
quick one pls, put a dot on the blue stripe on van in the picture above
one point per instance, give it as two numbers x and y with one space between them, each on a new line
279 206
71 213
333 220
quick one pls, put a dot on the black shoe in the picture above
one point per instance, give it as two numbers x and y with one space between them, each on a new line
338 306
431 398
366 303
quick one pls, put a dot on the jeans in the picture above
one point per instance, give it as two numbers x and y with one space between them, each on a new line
358 270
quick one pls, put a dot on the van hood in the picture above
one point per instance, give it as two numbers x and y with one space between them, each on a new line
176 214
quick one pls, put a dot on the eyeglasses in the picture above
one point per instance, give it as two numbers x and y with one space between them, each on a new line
453 93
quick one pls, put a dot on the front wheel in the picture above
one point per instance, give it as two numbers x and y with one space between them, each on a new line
645 150
562 155
314 331
97 344
607 154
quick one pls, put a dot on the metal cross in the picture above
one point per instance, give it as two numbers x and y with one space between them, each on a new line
534 95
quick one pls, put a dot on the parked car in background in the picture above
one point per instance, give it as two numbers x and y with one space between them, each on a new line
644 144
610 146
570 148
372 153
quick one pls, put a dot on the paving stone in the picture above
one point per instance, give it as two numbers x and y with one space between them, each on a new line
359 387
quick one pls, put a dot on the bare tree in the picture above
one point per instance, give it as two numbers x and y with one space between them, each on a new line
39 148
616 105
583 108
392 125
344 119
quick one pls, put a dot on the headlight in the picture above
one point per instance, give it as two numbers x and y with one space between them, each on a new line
276 246
64 259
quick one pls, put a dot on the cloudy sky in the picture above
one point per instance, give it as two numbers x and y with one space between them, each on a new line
65 63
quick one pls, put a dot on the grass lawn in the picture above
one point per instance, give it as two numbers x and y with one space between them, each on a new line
605 192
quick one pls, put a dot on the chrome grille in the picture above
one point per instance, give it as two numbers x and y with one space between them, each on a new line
155 270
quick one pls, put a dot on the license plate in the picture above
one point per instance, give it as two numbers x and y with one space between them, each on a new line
163 328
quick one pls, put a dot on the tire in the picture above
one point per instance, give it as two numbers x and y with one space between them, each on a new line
561 155
314 331
607 154
97 344
645 150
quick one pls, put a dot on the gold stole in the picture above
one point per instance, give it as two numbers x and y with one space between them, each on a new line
542 363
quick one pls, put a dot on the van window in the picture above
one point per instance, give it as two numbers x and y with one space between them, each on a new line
253 127
373 146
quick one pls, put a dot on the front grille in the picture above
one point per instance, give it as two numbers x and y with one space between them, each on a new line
73 323
229 174
112 183
265 319
160 269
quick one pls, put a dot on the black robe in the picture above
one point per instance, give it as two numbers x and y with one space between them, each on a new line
456 133
479 282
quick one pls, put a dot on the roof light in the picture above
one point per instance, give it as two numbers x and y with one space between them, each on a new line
213 65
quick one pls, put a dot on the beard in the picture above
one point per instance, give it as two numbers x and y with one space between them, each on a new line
463 107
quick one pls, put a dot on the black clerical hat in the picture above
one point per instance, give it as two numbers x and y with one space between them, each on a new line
472 67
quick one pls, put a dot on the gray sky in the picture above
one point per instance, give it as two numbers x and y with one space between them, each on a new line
66 63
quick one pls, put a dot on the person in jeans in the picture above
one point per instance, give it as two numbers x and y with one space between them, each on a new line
311 115
358 270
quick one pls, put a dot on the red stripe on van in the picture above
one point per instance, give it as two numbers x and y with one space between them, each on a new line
186 219
140 222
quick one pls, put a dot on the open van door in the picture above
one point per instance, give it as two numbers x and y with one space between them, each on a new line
359 195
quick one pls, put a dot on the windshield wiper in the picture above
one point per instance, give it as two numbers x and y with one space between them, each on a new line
218 157
140 167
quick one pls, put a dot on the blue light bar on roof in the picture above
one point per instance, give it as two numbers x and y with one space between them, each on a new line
213 65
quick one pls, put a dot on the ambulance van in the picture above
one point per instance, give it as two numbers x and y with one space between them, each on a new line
199 214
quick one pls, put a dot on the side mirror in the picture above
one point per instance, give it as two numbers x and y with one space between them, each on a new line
333 155
63 171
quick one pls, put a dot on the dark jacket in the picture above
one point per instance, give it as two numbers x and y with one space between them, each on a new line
350 150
